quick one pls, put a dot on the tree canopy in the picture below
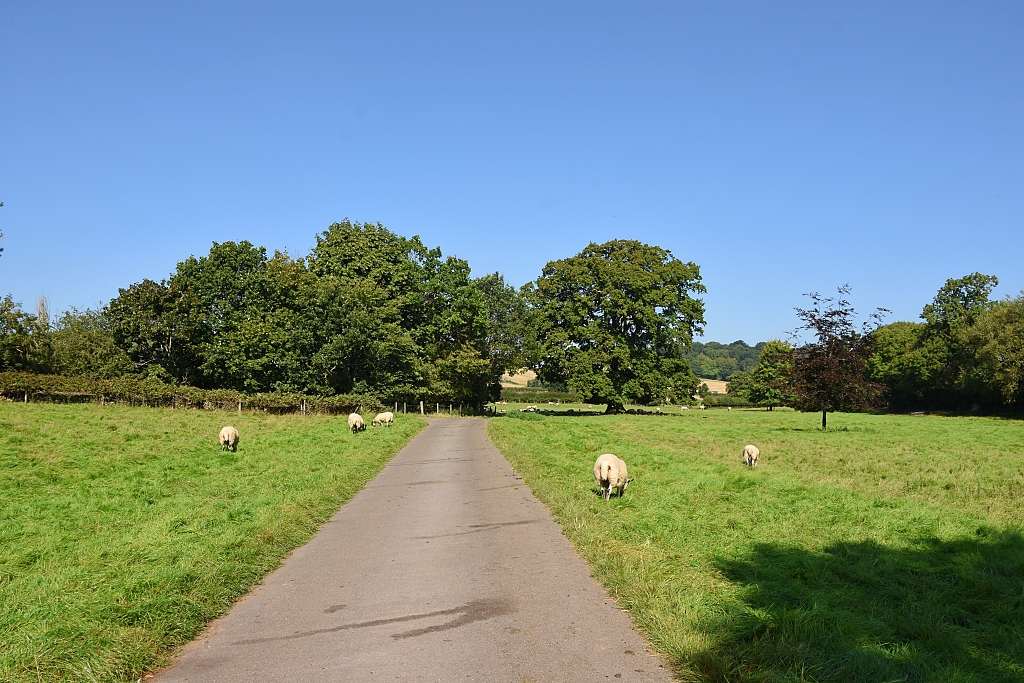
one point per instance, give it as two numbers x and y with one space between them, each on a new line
615 322
829 373
714 360
368 311
769 382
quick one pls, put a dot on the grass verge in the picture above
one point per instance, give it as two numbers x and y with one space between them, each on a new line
123 531
887 548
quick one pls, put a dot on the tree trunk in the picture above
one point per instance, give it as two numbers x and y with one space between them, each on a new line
614 408
823 419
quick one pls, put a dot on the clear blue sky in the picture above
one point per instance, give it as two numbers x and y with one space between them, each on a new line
784 148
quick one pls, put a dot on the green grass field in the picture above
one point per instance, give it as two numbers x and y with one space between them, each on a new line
887 548
124 530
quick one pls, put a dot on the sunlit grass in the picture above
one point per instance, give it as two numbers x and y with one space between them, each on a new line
887 548
124 530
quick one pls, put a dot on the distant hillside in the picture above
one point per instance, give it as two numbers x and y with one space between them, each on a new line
717 361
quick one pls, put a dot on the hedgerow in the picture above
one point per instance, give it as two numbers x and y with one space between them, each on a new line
27 386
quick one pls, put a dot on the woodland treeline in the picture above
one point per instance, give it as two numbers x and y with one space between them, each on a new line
367 312
372 313
713 360
966 356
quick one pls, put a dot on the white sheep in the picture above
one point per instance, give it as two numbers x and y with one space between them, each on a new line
610 473
229 439
750 454
355 422
387 419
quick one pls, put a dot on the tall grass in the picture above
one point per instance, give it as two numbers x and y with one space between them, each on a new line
888 548
124 530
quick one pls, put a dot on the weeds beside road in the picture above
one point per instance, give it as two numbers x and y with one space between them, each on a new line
123 531
888 548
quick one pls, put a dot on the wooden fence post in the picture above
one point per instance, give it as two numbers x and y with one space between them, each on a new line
421 404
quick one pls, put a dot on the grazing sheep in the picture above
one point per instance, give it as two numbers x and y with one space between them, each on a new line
610 473
750 454
229 439
386 419
355 423
684 408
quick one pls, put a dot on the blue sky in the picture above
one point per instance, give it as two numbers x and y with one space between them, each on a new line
785 148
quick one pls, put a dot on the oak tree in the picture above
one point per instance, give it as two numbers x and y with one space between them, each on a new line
615 322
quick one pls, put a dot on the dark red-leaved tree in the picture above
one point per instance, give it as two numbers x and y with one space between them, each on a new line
828 374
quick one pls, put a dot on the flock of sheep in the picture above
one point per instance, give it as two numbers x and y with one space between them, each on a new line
229 435
611 474
610 470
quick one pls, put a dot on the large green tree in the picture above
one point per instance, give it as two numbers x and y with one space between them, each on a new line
770 380
615 322
997 341
909 362
160 329
511 339
948 318
82 345
23 340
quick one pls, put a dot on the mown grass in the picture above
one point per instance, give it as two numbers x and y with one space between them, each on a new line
887 548
124 530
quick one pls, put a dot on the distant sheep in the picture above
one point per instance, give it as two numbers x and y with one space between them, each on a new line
387 419
355 423
610 473
750 454
229 439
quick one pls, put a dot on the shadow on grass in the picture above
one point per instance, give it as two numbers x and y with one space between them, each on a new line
936 611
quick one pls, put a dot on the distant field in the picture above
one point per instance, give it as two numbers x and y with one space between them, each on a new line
716 385
887 548
519 379
124 530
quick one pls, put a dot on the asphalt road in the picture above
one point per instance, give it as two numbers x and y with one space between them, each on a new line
444 568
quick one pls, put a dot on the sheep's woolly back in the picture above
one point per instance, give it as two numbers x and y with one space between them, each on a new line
610 473
229 438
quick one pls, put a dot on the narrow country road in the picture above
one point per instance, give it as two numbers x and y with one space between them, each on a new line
444 568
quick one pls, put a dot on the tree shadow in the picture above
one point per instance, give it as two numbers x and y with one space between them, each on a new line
934 611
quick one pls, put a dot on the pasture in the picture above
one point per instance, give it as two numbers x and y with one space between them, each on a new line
887 548
123 531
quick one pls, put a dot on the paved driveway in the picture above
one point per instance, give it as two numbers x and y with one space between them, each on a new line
444 568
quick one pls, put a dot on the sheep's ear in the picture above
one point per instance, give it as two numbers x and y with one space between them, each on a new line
629 480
